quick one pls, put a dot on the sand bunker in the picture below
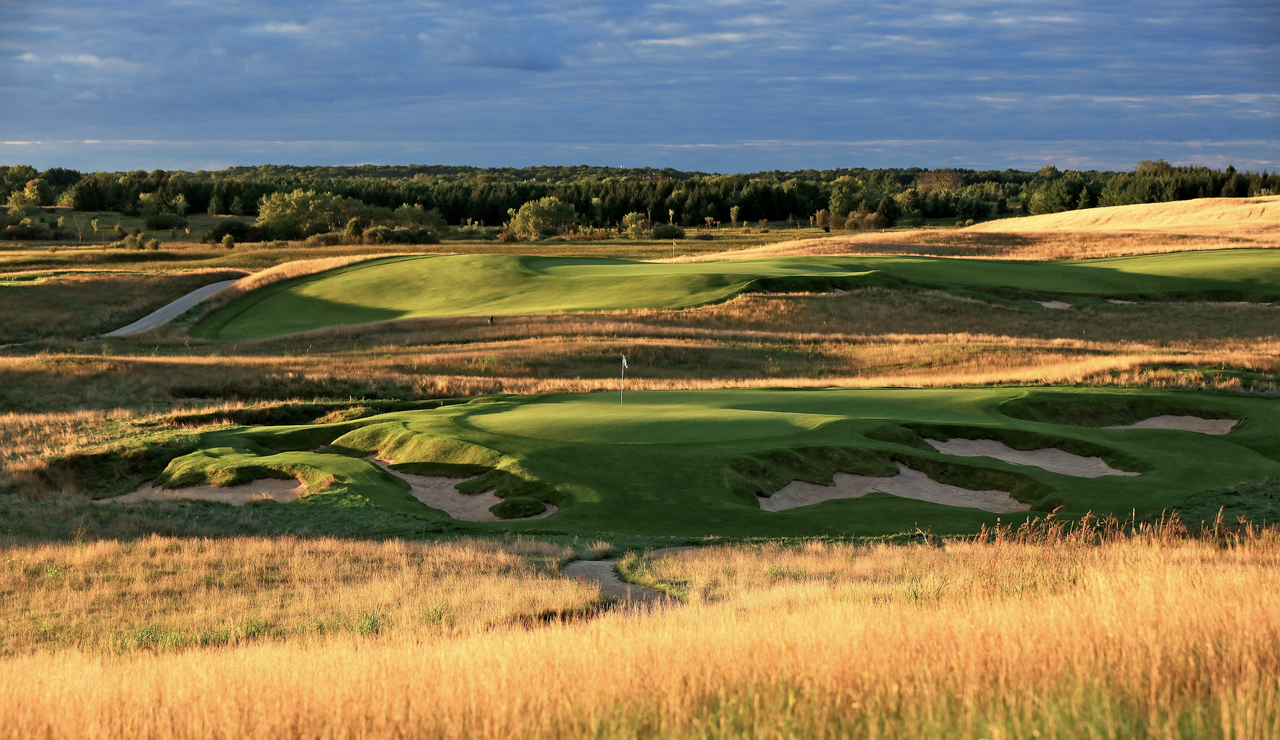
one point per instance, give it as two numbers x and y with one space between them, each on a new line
442 493
1056 305
282 491
907 483
1183 424
1049 458
1118 302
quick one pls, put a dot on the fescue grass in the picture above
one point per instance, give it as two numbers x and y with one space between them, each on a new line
82 305
166 594
1028 634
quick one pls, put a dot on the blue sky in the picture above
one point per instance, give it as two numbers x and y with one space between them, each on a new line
729 86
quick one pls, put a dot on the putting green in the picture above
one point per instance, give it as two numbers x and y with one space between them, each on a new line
690 463
481 285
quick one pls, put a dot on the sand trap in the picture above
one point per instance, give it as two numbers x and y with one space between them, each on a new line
907 483
1119 302
1049 458
1055 305
1183 424
442 493
272 489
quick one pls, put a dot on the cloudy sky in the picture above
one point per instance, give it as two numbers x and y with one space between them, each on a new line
727 86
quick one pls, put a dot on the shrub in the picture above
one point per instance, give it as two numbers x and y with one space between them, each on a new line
237 230
229 242
507 236
667 231
161 221
398 235
328 239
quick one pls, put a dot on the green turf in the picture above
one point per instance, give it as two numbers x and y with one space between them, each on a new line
670 463
481 285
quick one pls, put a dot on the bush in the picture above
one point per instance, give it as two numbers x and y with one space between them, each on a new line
229 242
328 239
161 221
237 230
399 235
667 231
28 229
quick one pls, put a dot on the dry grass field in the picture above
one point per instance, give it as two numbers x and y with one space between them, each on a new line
1211 223
1100 632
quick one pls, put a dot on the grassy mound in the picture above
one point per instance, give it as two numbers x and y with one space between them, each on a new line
498 285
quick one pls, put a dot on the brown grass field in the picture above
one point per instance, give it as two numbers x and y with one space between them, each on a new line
1038 633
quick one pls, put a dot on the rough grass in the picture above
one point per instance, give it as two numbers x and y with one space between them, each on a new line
81 305
165 594
1013 636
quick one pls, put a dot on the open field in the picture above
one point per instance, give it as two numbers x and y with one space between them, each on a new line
405 287
1042 634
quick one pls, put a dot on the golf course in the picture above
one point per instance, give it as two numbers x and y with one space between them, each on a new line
499 285
705 463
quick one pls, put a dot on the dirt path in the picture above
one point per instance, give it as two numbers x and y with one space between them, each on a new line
173 310
282 491
601 574
907 483
1049 458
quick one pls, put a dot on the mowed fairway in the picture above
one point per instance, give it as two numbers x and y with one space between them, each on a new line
481 285
684 463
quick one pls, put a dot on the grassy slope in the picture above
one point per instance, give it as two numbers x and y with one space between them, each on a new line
1230 216
659 465
504 285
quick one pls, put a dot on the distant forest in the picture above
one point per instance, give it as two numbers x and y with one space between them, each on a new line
604 196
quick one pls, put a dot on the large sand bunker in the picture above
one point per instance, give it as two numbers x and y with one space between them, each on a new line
1183 424
907 483
442 493
1049 458
282 491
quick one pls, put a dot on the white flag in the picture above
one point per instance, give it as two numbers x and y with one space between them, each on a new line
624 362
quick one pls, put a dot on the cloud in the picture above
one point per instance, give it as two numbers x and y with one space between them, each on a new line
730 85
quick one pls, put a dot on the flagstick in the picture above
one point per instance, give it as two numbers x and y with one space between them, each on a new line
622 385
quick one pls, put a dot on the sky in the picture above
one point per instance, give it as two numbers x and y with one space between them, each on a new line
726 86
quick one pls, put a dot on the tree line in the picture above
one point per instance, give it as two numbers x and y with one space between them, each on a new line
603 196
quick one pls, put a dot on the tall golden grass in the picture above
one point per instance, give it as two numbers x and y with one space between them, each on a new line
162 593
1137 636
1216 216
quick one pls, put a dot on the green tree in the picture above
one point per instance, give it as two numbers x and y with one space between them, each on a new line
1084 200
215 205
21 203
544 217
733 215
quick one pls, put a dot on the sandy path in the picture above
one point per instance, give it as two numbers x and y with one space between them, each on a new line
282 491
442 493
1050 458
601 574
173 310
907 483
1183 424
